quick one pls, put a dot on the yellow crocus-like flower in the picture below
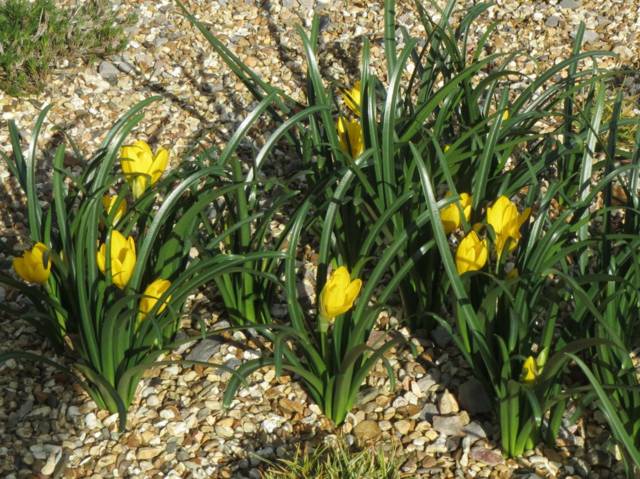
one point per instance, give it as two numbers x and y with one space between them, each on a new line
505 115
530 370
31 266
141 167
352 97
450 214
339 293
351 136
472 253
505 220
123 258
447 148
151 295
109 201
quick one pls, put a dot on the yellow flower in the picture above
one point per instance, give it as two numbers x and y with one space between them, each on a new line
339 293
31 266
447 148
151 295
123 258
530 370
472 253
505 220
109 201
351 136
505 115
352 97
141 168
450 214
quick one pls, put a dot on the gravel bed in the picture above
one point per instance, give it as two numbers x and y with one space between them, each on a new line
435 417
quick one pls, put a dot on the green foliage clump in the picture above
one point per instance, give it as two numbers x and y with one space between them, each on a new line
36 36
337 462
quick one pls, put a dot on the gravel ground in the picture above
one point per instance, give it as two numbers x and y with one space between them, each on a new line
48 428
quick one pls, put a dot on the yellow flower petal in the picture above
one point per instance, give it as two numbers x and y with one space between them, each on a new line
352 97
151 295
351 136
160 163
144 147
101 258
31 266
339 293
140 167
123 258
450 214
472 253
353 290
529 370
506 222
109 201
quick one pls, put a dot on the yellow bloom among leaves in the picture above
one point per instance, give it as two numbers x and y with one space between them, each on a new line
141 167
530 370
339 293
151 295
123 258
31 266
352 98
472 253
350 136
450 214
506 222
109 201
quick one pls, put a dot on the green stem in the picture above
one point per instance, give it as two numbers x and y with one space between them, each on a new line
323 328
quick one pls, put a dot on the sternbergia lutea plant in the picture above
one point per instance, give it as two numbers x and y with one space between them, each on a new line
109 270
365 149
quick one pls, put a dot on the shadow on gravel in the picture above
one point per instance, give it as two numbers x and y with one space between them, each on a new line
13 211
36 404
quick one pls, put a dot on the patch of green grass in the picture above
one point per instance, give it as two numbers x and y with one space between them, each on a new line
338 461
37 36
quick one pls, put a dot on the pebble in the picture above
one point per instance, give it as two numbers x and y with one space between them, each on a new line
427 382
590 36
439 446
449 425
272 423
91 421
52 461
403 426
224 427
447 404
486 456
204 350
552 21
108 71
428 411
366 431
146 453
474 431
569 4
